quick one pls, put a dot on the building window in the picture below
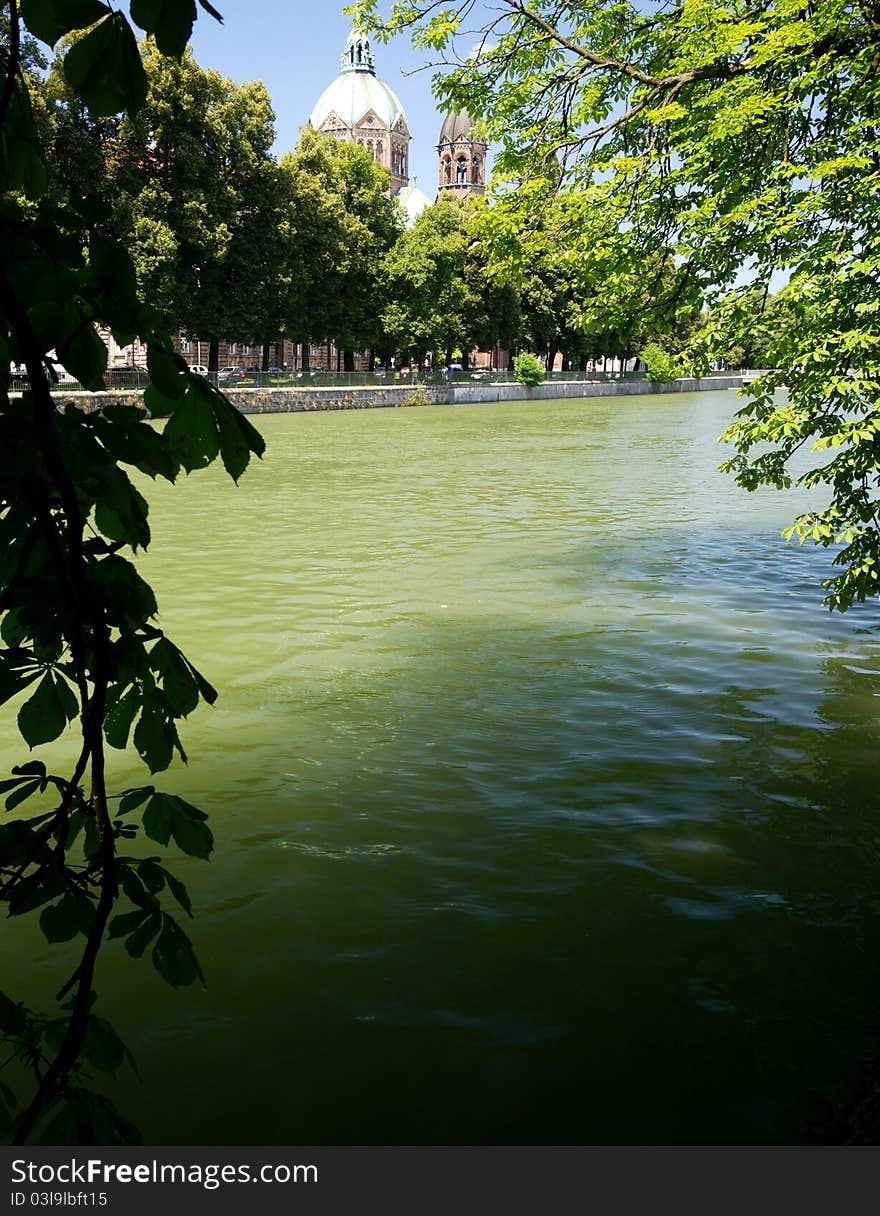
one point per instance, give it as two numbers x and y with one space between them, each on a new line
461 172
476 177
184 346
233 348
245 350
447 170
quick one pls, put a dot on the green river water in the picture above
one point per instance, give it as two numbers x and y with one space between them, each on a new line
544 791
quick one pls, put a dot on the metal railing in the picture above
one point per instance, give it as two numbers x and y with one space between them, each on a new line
134 379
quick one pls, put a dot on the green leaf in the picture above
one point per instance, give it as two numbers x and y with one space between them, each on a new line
114 272
12 1017
153 876
157 403
132 799
191 432
170 21
131 440
83 353
153 738
20 794
129 600
238 438
18 843
178 682
168 816
82 1117
141 938
158 819
59 922
121 510
179 891
22 163
17 671
173 956
128 922
49 20
31 893
7 1099
103 1046
43 717
119 717
104 68
165 368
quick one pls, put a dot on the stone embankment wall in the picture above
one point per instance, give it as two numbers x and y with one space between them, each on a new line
303 400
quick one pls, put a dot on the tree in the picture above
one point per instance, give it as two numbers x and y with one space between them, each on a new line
743 141
440 295
79 641
196 199
373 225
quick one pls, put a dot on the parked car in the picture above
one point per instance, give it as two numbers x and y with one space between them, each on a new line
254 371
482 373
275 371
231 375
198 369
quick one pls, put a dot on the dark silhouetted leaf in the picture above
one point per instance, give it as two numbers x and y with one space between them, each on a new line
104 67
49 20
43 716
173 956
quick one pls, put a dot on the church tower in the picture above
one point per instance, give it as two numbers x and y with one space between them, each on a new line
462 157
360 108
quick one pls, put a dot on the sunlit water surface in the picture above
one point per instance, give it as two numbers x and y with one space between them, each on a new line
544 791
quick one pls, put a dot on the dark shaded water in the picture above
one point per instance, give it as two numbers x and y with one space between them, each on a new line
544 790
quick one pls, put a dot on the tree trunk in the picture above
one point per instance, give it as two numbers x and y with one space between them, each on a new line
582 365
214 355
348 359
305 356
465 358
264 363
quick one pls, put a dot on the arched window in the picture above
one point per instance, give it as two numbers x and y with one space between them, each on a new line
447 170
379 151
461 172
476 175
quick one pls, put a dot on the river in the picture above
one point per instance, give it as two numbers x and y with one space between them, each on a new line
544 791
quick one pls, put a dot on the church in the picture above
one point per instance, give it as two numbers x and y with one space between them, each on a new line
357 107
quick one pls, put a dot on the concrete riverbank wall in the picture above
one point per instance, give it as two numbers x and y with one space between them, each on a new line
374 397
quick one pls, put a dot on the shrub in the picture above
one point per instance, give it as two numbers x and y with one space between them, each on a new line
528 370
661 365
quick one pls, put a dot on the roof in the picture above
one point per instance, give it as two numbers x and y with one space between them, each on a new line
414 201
357 90
458 125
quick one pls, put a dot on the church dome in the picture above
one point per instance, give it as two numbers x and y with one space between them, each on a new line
357 90
457 126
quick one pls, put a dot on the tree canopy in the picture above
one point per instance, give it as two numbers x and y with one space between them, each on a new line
742 141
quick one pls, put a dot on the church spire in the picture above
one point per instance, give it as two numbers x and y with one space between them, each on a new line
358 56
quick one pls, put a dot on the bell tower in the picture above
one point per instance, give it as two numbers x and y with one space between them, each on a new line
462 153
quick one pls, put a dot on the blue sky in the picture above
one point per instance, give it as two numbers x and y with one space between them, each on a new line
294 47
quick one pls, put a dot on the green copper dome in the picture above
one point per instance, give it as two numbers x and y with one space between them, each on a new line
357 90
